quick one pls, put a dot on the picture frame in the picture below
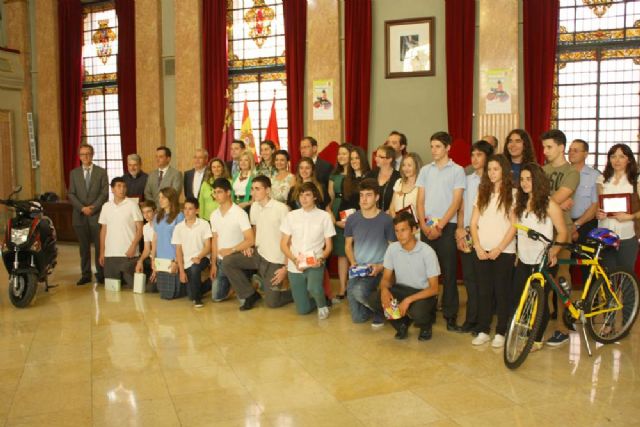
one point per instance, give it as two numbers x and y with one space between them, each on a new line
409 48
612 204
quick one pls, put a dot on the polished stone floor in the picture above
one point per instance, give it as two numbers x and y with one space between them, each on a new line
82 356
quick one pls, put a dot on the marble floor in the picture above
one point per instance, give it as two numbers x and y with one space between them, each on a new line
81 356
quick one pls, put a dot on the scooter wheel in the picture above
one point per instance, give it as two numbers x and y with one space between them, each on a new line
22 289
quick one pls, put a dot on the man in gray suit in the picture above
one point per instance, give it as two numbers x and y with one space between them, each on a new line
88 191
164 176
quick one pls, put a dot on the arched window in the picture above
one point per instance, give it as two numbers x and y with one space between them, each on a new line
100 120
257 64
597 87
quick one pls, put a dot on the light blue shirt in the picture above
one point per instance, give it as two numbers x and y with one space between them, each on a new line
422 260
164 233
586 193
470 194
439 185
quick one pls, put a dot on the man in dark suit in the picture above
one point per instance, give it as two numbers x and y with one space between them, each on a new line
237 147
309 148
397 141
193 178
164 176
88 191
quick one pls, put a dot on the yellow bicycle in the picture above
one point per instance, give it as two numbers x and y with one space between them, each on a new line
607 308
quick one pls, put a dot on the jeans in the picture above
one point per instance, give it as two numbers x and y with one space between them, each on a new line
220 285
359 290
196 287
307 291
446 250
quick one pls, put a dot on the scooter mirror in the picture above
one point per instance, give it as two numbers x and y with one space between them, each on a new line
16 190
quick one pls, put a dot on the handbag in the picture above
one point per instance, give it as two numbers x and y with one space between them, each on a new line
635 207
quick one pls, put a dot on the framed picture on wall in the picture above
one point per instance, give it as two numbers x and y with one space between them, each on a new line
409 47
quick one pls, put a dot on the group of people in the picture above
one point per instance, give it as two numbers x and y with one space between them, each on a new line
396 230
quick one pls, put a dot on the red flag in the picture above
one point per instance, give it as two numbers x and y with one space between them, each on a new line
272 128
227 132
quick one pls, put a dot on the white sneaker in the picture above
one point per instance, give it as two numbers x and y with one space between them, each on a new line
323 313
482 338
498 341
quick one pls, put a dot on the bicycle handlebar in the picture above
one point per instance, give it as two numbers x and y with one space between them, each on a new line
573 247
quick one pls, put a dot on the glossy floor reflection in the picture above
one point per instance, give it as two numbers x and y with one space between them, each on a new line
81 357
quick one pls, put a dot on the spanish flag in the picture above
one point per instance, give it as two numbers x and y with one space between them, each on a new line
246 131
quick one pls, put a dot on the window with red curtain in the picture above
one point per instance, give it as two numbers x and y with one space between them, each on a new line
597 81
100 120
257 65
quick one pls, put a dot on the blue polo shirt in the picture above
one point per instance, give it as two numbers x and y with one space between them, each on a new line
586 193
439 185
470 194
412 268
164 233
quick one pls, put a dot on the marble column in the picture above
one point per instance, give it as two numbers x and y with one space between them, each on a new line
47 78
149 95
188 78
323 62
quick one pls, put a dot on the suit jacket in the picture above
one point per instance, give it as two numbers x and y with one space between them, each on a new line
323 171
80 196
171 178
230 167
188 184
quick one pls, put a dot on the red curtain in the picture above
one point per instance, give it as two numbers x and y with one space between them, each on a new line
295 27
125 9
70 48
540 34
460 27
214 48
357 41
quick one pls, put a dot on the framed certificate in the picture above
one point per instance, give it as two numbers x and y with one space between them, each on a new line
615 203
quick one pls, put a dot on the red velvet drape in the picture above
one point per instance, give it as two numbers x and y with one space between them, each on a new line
295 27
357 41
70 48
540 35
460 16
214 51
125 9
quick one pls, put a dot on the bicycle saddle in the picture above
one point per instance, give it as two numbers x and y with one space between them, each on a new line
605 236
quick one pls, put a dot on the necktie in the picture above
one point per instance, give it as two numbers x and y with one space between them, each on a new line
160 177
87 177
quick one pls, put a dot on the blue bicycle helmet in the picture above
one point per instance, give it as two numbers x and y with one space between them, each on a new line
605 236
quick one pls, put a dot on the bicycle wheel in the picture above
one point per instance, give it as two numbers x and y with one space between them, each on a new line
614 325
523 329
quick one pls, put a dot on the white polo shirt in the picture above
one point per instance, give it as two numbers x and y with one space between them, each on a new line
147 232
229 227
308 230
192 238
267 220
120 220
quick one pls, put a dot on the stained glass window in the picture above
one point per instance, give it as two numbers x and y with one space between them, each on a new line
597 87
100 119
257 64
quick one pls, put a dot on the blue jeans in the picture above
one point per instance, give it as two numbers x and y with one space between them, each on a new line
359 290
196 287
220 286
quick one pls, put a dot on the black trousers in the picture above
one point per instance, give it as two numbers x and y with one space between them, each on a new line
495 278
89 234
446 250
468 261
421 311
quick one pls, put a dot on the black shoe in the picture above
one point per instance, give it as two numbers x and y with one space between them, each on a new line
468 327
83 281
250 301
425 334
100 280
453 326
198 303
402 332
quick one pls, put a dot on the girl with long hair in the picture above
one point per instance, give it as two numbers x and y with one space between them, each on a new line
535 209
385 174
306 173
493 240
405 191
620 176
282 180
165 222
266 166
359 169
216 169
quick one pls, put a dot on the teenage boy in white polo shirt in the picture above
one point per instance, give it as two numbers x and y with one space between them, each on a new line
441 185
232 233
192 238
410 277
120 234
266 216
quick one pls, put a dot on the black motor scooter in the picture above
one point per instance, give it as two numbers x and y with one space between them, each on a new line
29 249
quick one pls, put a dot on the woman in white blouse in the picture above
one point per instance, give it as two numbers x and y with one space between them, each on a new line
405 191
620 177
493 240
